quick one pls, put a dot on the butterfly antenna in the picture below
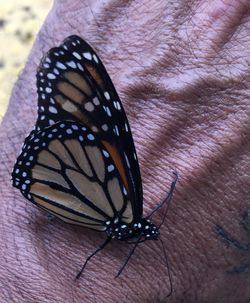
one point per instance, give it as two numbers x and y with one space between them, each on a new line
129 256
169 272
167 199
93 14
89 257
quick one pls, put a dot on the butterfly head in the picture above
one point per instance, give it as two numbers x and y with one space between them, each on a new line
150 230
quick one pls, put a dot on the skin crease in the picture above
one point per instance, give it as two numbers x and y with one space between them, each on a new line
182 71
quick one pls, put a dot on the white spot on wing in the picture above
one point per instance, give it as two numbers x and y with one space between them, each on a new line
71 64
87 56
52 101
56 71
117 130
124 190
75 127
106 95
53 110
108 111
105 153
60 65
105 127
89 106
80 66
95 58
96 101
126 158
111 168
77 55
118 106
51 76
91 137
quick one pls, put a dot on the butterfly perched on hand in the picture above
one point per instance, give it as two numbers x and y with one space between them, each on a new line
80 163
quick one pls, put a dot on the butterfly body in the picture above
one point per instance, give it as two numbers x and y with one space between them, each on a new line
80 162
142 229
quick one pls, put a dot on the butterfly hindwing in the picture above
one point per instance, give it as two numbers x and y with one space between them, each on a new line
66 170
74 85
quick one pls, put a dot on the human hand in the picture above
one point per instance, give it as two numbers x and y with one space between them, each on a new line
182 73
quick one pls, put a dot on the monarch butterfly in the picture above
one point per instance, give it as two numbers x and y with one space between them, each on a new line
80 162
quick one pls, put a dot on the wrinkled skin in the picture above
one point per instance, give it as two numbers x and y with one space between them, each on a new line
182 71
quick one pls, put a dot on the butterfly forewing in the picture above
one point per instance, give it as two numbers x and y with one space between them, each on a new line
66 170
74 85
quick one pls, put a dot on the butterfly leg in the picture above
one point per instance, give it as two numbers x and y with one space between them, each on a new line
89 257
169 272
129 256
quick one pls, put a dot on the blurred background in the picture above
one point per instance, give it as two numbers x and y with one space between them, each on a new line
19 23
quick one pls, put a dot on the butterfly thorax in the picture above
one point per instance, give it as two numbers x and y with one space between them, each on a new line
143 229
